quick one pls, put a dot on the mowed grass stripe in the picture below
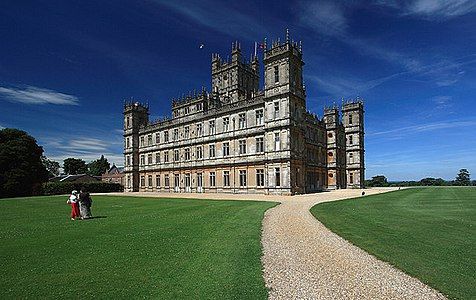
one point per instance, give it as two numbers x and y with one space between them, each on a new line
140 247
428 232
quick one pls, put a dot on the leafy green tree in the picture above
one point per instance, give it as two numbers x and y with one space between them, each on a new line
51 165
463 177
98 166
379 180
73 166
21 169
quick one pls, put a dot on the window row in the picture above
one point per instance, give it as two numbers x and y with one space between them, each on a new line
199 153
242 179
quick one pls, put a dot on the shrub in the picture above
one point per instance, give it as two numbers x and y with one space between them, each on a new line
59 188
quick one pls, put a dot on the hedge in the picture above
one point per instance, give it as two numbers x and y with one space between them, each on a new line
60 188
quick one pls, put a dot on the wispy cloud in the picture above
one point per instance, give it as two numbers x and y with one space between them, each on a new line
432 9
403 131
327 17
83 147
36 95
217 16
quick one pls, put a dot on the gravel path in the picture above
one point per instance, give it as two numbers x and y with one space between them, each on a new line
304 260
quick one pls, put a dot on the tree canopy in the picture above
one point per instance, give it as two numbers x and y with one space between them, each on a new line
463 178
98 166
21 168
52 166
73 166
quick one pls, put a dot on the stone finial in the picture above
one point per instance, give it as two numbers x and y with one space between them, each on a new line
287 35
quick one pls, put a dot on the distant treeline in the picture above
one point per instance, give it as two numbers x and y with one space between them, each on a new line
462 179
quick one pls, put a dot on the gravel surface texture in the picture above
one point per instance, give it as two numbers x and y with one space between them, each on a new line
302 259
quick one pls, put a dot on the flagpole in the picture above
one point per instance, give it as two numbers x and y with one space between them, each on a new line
256 45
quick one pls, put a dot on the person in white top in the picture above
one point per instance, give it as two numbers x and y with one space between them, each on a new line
73 200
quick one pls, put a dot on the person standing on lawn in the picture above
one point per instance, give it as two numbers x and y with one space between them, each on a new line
85 203
73 200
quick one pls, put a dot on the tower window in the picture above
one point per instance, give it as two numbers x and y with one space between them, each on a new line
350 119
351 178
351 140
277 176
276 74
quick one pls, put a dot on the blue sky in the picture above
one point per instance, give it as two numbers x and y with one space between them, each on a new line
67 66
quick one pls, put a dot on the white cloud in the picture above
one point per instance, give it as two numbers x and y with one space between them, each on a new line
218 17
326 17
399 132
431 9
36 95
441 8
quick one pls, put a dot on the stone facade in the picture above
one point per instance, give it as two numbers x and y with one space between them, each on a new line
240 139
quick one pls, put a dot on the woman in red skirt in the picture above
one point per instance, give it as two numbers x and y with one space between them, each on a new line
73 200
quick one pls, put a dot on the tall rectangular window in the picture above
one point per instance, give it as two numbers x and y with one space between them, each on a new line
277 142
149 159
351 140
142 141
277 176
211 151
199 152
212 179
176 180
199 179
149 140
211 126
276 74
157 138
157 180
226 149
187 132
157 158
276 110
226 178
350 119
166 180
142 160
226 124
128 142
242 146
242 178
260 177
199 129
351 178
149 180
259 117
166 136
166 156
259 145
242 121
176 155
175 134
187 153
128 160
142 181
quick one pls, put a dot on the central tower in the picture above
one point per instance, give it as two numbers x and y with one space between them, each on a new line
234 80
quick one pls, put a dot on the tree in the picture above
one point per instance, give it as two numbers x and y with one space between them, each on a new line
463 177
73 166
98 166
51 165
21 169
379 180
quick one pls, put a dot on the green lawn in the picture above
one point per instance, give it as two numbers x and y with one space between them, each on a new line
430 233
139 247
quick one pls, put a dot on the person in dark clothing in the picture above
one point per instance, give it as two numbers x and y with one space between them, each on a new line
85 203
